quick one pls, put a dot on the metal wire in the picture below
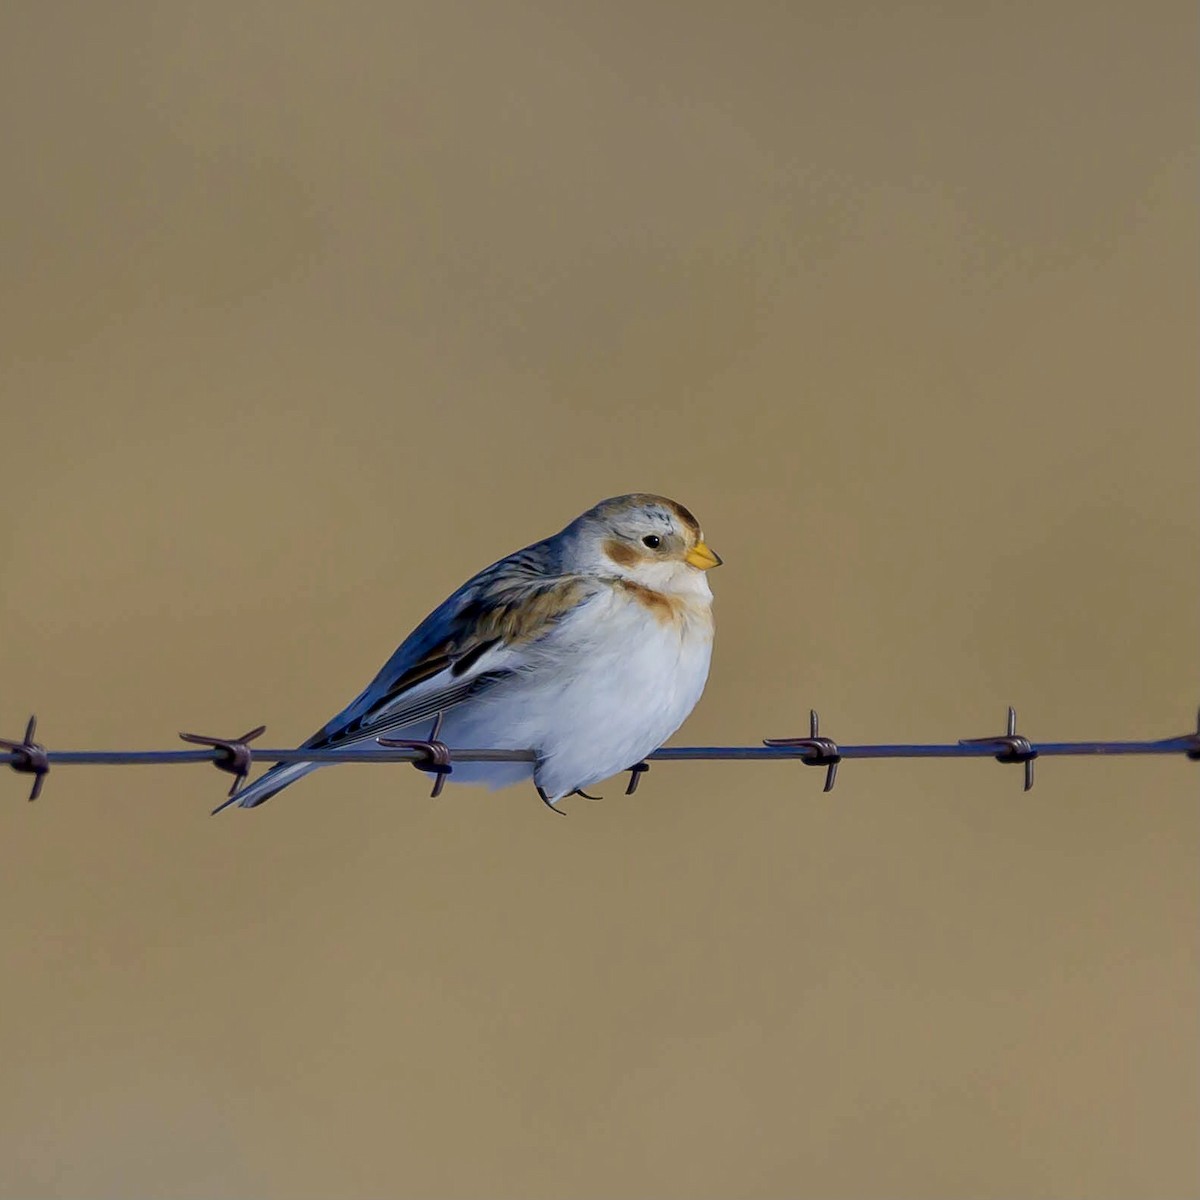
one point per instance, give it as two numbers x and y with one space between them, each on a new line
235 755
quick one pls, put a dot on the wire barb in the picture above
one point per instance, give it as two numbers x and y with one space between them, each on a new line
1013 747
29 757
435 755
822 751
432 755
233 755
1194 741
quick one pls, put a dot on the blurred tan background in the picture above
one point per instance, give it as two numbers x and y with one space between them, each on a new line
309 311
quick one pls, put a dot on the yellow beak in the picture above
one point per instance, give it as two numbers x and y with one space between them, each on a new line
701 557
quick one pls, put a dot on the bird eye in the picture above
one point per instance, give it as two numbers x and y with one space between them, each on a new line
652 540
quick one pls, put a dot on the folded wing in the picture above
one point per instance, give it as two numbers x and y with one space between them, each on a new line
481 635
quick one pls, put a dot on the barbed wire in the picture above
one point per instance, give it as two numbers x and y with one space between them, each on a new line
237 757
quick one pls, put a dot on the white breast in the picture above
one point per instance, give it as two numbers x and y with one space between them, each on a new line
612 683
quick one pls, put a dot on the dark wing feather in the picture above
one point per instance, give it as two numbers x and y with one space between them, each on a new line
375 724
517 600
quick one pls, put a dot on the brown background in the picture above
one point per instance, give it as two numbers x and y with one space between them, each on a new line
309 311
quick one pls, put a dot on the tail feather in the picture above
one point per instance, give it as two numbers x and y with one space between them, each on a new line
265 786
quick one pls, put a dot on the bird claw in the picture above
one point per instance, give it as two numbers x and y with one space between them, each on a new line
548 802
635 776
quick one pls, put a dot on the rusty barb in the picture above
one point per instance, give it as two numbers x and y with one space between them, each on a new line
435 755
233 754
29 757
1193 750
1011 747
236 757
822 751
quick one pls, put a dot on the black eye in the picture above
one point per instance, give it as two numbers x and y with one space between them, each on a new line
652 540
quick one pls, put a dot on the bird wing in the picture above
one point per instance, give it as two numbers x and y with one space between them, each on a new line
471 642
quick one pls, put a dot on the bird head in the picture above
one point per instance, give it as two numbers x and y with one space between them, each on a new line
646 539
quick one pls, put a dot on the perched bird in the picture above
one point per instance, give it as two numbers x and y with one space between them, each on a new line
589 648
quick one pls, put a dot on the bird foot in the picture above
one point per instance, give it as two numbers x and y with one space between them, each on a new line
548 803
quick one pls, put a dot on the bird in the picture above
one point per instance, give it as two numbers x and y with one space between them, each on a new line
590 648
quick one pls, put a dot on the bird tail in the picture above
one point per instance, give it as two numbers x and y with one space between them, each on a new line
265 786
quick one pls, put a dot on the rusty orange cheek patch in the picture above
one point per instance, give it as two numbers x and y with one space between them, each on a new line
621 553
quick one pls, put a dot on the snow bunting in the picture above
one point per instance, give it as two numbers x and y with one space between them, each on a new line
589 648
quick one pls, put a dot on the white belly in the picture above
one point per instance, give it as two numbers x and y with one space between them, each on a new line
612 684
